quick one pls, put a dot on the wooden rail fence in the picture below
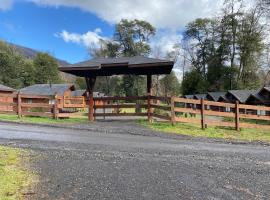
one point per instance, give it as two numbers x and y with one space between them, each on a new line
172 109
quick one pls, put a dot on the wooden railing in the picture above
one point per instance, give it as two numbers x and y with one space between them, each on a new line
74 102
172 109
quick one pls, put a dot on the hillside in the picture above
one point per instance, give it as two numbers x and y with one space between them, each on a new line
31 54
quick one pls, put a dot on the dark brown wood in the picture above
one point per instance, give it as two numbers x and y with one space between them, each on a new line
202 114
19 107
120 114
149 93
55 107
237 118
172 111
90 82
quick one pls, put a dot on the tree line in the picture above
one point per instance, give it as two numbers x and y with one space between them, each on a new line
16 71
228 51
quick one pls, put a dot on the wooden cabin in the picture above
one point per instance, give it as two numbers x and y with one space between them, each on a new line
61 90
5 90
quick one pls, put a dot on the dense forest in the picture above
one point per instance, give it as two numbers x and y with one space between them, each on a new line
228 51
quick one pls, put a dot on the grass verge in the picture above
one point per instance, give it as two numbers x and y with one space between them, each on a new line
42 120
211 132
14 179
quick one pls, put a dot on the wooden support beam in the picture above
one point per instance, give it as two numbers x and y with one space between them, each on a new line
202 114
237 116
90 82
149 93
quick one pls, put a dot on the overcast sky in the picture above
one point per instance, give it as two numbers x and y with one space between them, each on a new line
65 28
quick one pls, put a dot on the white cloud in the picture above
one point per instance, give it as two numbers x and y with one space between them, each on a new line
88 39
161 13
5 4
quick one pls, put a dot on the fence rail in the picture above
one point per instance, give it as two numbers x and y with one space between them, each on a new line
173 109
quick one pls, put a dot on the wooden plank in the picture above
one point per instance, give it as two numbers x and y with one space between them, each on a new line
188 120
13 95
237 119
220 104
37 114
167 108
258 117
220 114
120 98
162 116
255 126
202 114
172 111
220 123
36 105
8 112
191 101
251 107
120 106
187 110
119 114
63 115
28 96
19 107
8 104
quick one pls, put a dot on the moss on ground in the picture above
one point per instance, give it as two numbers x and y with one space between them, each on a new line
14 178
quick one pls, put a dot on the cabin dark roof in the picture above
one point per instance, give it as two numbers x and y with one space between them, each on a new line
241 95
138 65
6 88
267 88
223 98
200 96
47 89
188 96
78 93
215 95
257 97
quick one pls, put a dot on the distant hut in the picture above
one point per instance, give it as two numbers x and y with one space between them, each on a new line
5 90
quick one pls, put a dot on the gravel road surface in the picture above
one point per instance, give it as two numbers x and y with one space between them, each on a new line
104 164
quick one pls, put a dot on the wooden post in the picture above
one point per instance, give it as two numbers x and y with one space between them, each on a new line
149 90
90 81
172 110
55 107
19 104
237 119
202 114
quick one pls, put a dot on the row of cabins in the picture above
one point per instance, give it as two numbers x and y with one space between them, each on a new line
61 90
251 97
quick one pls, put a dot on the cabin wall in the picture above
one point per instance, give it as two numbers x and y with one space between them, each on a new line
6 100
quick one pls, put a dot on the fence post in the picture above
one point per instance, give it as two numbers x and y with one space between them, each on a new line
172 110
19 104
237 119
55 107
202 114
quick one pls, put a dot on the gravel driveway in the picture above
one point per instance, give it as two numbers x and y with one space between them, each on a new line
140 164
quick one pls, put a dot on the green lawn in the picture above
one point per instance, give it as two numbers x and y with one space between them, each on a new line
210 132
43 120
14 179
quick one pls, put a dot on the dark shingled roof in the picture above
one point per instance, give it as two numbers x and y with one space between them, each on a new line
188 96
6 88
258 97
215 95
242 95
78 93
47 89
139 65
200 96
223 98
